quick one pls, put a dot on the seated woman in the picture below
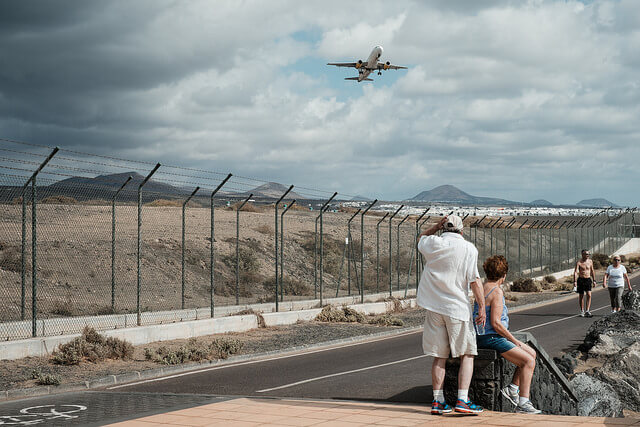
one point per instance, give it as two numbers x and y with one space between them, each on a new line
497 337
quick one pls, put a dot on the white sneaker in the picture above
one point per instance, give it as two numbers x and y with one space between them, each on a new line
582 314
527 408
512 396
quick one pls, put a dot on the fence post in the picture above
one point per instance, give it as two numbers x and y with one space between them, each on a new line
378 252
530 246
350 251
238 249
113 245
398 249
362 249
325 206
184 212
139 252
34 244
276 240
282 247
520 248
416 243
211 248
390 252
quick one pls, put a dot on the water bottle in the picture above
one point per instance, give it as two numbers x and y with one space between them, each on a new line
479 328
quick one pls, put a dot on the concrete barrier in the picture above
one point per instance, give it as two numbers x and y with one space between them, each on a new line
74 325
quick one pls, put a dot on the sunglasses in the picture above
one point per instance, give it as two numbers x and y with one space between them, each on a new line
617 259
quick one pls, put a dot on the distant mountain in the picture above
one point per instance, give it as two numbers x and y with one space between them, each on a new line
113 182
596 203
273 190
451 194
359 198
541 202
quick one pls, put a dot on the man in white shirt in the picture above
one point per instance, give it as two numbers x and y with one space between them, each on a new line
450 268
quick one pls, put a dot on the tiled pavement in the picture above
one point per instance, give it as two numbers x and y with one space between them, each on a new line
290 412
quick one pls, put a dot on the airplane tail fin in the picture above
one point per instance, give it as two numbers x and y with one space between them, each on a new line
356 78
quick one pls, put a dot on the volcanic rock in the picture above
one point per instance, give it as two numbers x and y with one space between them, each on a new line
631 300
622 371
596 398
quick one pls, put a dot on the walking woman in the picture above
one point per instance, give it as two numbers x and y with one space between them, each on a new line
497 337
616 275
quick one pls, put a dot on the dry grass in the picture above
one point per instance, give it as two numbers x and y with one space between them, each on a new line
92 347
158 203
58 200
195 351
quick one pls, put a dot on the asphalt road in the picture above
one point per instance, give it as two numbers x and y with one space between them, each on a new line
386 369
391 369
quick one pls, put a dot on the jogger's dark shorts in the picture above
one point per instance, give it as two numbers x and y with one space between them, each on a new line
584 284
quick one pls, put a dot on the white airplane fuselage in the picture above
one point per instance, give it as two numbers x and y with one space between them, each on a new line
372 63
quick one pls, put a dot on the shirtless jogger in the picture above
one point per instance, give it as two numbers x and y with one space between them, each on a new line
584 277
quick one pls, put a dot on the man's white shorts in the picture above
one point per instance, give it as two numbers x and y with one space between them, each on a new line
444 335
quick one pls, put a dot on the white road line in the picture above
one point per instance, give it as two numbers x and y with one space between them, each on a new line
251 362
557 320
339 374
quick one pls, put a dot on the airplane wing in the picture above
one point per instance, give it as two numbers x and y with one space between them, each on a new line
388 66
349 64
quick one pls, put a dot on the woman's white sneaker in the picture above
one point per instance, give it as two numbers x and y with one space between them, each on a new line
527 408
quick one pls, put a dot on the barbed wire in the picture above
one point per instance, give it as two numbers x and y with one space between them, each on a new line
237 178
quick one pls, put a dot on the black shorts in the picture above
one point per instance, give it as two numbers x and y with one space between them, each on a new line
584 284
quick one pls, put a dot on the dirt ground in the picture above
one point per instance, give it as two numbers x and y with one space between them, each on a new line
74 257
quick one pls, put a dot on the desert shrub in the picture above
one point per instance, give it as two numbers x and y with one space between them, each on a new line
59 200
330 314
248 207
226 347
563 286
11 258
353 316
600 260
345 314
264 229
330 245
525 284
92 347
290 286
247 260
194 351
386 320
164 203
550 279
510 296
45 378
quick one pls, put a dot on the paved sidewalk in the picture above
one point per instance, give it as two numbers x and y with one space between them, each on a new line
291 412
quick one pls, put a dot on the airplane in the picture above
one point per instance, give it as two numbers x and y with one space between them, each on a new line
367 67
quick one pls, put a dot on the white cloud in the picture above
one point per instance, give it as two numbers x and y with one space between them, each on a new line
519 100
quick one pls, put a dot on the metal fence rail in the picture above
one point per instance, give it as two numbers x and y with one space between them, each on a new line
110 242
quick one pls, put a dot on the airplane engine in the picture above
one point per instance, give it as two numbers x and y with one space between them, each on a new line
386 65
359 64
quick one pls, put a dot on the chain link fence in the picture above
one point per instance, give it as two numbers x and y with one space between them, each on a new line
111 243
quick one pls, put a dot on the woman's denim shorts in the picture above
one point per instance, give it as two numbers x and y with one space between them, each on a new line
494 342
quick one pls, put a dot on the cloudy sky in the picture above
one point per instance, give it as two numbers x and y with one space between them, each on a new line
511 99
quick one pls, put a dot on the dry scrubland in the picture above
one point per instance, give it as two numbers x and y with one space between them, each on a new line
74 257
